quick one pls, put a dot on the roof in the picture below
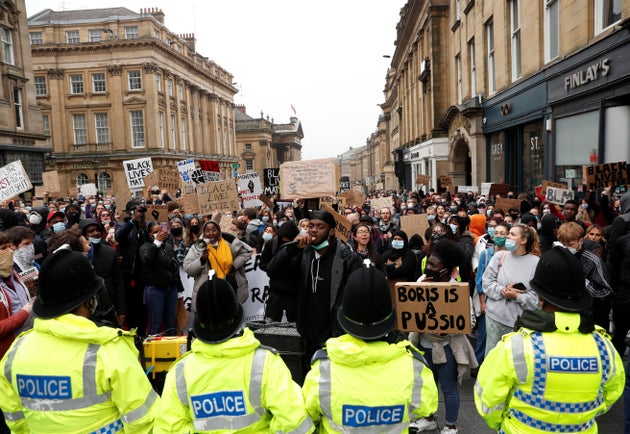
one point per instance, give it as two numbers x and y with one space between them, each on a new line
48 16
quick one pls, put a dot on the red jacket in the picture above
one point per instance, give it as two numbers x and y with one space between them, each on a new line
9 324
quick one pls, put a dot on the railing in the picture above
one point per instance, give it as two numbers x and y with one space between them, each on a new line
91 147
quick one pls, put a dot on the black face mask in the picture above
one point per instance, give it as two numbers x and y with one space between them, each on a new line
435 275
73 217
176 231
514 216
194 229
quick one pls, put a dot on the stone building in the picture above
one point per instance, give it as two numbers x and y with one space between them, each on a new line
117 85
21 130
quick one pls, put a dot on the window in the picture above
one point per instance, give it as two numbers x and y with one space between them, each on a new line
7 45
95 35
473 68
158 82
46 120
17 105
249 165
180 92
458 10
76 84
458 62
169 85
248 146
156 34
490 55
137 129
607 13
131 32
36 38
161 121
40 85
101 124
104 181
575 136
81 179
135 81
552 30
98 82
515 28
80 129
173 132
72 37
182 125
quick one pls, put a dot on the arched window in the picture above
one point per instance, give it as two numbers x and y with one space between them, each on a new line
81 178
104 181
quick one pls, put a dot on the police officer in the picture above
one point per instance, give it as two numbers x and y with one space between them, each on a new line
360 382
228 381
559 370
67 374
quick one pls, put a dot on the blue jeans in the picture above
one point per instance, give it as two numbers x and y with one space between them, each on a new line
161 303
480 345
446 375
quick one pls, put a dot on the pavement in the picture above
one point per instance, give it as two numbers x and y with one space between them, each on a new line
471 423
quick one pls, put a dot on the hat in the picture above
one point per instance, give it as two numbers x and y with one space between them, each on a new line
324 216
55 214
131 205
219 315
366 311
559 279
66 280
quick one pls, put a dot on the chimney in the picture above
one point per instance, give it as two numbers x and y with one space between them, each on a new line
189 40
241 108
157 14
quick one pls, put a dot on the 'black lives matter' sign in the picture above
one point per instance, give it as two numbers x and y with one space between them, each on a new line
603 175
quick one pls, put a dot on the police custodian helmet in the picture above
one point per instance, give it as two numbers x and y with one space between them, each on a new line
219 314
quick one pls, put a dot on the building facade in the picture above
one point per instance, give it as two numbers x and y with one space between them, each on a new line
116 85
21 129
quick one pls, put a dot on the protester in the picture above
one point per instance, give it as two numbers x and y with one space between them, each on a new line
400 262
362 243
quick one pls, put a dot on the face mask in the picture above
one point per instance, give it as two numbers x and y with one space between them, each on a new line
546 210
453 209
323 245
453 228
267 236
59 227
491 232
35 219
95 240
403 207
398 244
265 218
106 221
435 275
176 232
431 217
194 229
73 217
416 251
499 241
303 231
25 255
489 213
510 245
514 217
437 237
480 210
63 210
108 206
6 263
573 250
585 205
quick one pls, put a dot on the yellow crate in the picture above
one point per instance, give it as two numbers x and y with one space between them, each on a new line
161 352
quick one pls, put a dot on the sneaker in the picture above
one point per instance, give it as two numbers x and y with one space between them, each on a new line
424 424
448 430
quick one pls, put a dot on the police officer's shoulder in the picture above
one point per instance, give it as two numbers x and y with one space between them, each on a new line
270 349
601 331
320 354
416 354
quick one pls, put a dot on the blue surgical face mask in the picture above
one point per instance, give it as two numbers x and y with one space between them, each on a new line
431 217
491 231
489 213
59 227
267 236
94 240
585 205
453 228
108 206
320 246
510 245
265 218
398 244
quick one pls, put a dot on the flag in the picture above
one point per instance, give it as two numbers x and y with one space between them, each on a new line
293 110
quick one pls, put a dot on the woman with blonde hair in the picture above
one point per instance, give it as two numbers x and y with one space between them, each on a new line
506 282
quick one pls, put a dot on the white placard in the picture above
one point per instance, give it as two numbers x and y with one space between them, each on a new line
250 188
136 170
13 180
185 167
88 189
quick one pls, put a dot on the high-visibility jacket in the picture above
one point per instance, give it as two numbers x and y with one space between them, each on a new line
68 375
368 387
537 382
236 386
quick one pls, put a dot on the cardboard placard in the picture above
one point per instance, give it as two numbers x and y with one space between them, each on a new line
607 174
189 203
308 178
271 179
13 180
37 202
51 181
250 189
352 198
381 202
357 188
423 179
505 204
136 170
445 182
226 224
151 180
558 196
217 196
344 227
40 191
158 213
414 224
168 179
546 184
434 307
266 200
500 189
73 191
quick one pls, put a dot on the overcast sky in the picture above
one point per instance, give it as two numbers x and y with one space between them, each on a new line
324 57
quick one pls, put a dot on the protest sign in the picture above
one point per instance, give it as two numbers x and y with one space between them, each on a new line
258 284
88 189
225 223
213 196
381 202
414 224
249 189
352 198
434 307
505 204
271 179
558 196
51 181
467 188
546 184
168 179
185 167
485 188
266 200
151 180
158 213
607 174
344 184
500 189
423 179
344 227
13 180
357 188
136 170
445 182
308 178
190 203
40 191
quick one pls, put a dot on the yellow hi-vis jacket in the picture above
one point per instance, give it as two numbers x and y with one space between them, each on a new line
67 375
236 386
368 387
540 382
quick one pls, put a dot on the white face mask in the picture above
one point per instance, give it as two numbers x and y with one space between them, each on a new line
34 219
